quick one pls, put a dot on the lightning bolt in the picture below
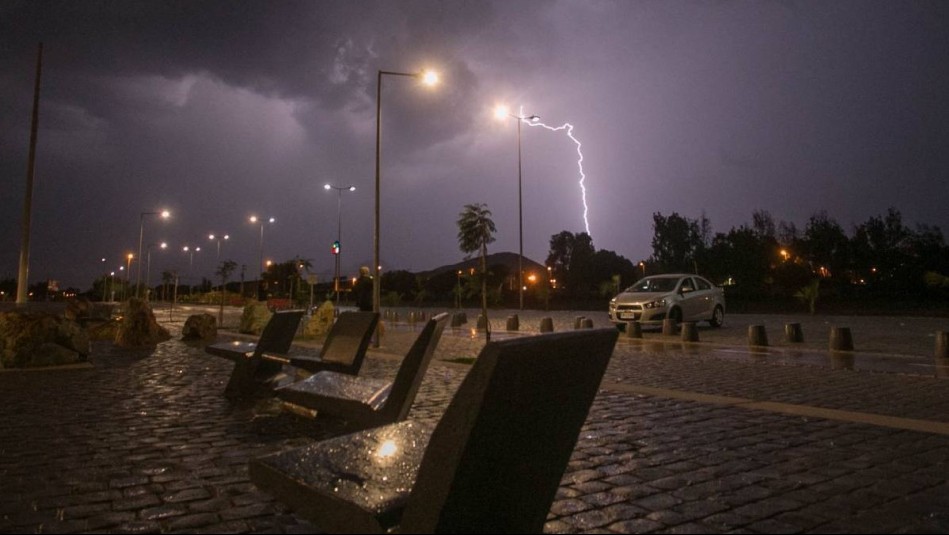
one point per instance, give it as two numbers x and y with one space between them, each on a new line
569 131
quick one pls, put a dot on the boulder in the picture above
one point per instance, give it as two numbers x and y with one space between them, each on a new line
29 339
255 316
106 330
320 323
199 327
139 328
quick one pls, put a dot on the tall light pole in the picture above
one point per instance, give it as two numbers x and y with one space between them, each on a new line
219 239
190 252
428 78
165 214
148 268
260 259
128 275
339 230
501 112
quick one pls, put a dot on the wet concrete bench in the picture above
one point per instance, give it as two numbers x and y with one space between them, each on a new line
365 402
492 464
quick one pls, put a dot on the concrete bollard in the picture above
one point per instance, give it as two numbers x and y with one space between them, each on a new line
578 322
793 333
757 336
411 318
482 322
423 316
547 325
634 329
513 322
690 333
587 323
840 339
668 327
942 344
456 319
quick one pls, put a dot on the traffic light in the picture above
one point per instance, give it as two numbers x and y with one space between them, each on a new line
336 247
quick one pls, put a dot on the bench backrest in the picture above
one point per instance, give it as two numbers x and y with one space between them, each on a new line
497 456
348 340
278 334
409 377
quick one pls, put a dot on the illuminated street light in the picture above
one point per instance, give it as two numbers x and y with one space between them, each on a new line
501 113
190 252
260 257
428 78
148 265
339 231
218 239
164 214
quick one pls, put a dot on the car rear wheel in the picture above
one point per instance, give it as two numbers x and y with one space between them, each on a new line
718 317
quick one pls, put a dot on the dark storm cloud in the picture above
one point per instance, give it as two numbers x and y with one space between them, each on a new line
220 109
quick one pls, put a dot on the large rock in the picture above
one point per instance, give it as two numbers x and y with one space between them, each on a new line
255 316
199 327
139 327
29 339
320 323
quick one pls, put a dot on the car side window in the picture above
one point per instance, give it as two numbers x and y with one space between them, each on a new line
703 284
686 286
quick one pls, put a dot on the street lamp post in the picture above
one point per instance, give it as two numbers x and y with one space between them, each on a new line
428 78
190 252
502 112
260 258
219 239
128 275
141 233
148 264
339 230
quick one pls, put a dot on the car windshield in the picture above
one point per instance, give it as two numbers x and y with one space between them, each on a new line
654 284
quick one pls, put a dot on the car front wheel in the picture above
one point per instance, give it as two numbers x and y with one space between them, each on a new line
718 317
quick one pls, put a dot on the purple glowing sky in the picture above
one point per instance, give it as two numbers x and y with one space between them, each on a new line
217 111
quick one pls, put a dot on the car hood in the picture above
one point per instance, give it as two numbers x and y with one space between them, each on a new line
629 298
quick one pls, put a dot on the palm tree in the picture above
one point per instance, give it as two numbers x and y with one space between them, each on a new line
475 231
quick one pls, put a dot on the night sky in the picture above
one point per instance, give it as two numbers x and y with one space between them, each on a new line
220 110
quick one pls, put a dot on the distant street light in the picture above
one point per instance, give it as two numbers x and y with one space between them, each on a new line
164 214
128 275
148 265
502 112
260 258
190 252
218 239
338 250
428 78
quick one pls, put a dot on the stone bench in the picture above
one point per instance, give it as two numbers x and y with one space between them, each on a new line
492 464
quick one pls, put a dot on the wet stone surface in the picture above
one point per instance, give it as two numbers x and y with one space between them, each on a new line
146 442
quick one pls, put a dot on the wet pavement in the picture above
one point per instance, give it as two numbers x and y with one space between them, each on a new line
682 438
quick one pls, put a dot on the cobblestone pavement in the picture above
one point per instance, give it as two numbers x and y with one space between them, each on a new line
681 439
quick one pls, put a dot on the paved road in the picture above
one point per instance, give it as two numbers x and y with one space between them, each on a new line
682 438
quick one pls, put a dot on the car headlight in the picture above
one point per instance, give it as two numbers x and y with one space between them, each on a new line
655 304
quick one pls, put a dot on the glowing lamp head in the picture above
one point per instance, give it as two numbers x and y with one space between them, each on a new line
352 188
253 219
165 214
501 112
429 78
327 187
164 245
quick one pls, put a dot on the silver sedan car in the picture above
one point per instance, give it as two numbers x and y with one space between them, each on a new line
679 296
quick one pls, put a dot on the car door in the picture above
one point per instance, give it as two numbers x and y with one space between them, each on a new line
688 299
707 291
